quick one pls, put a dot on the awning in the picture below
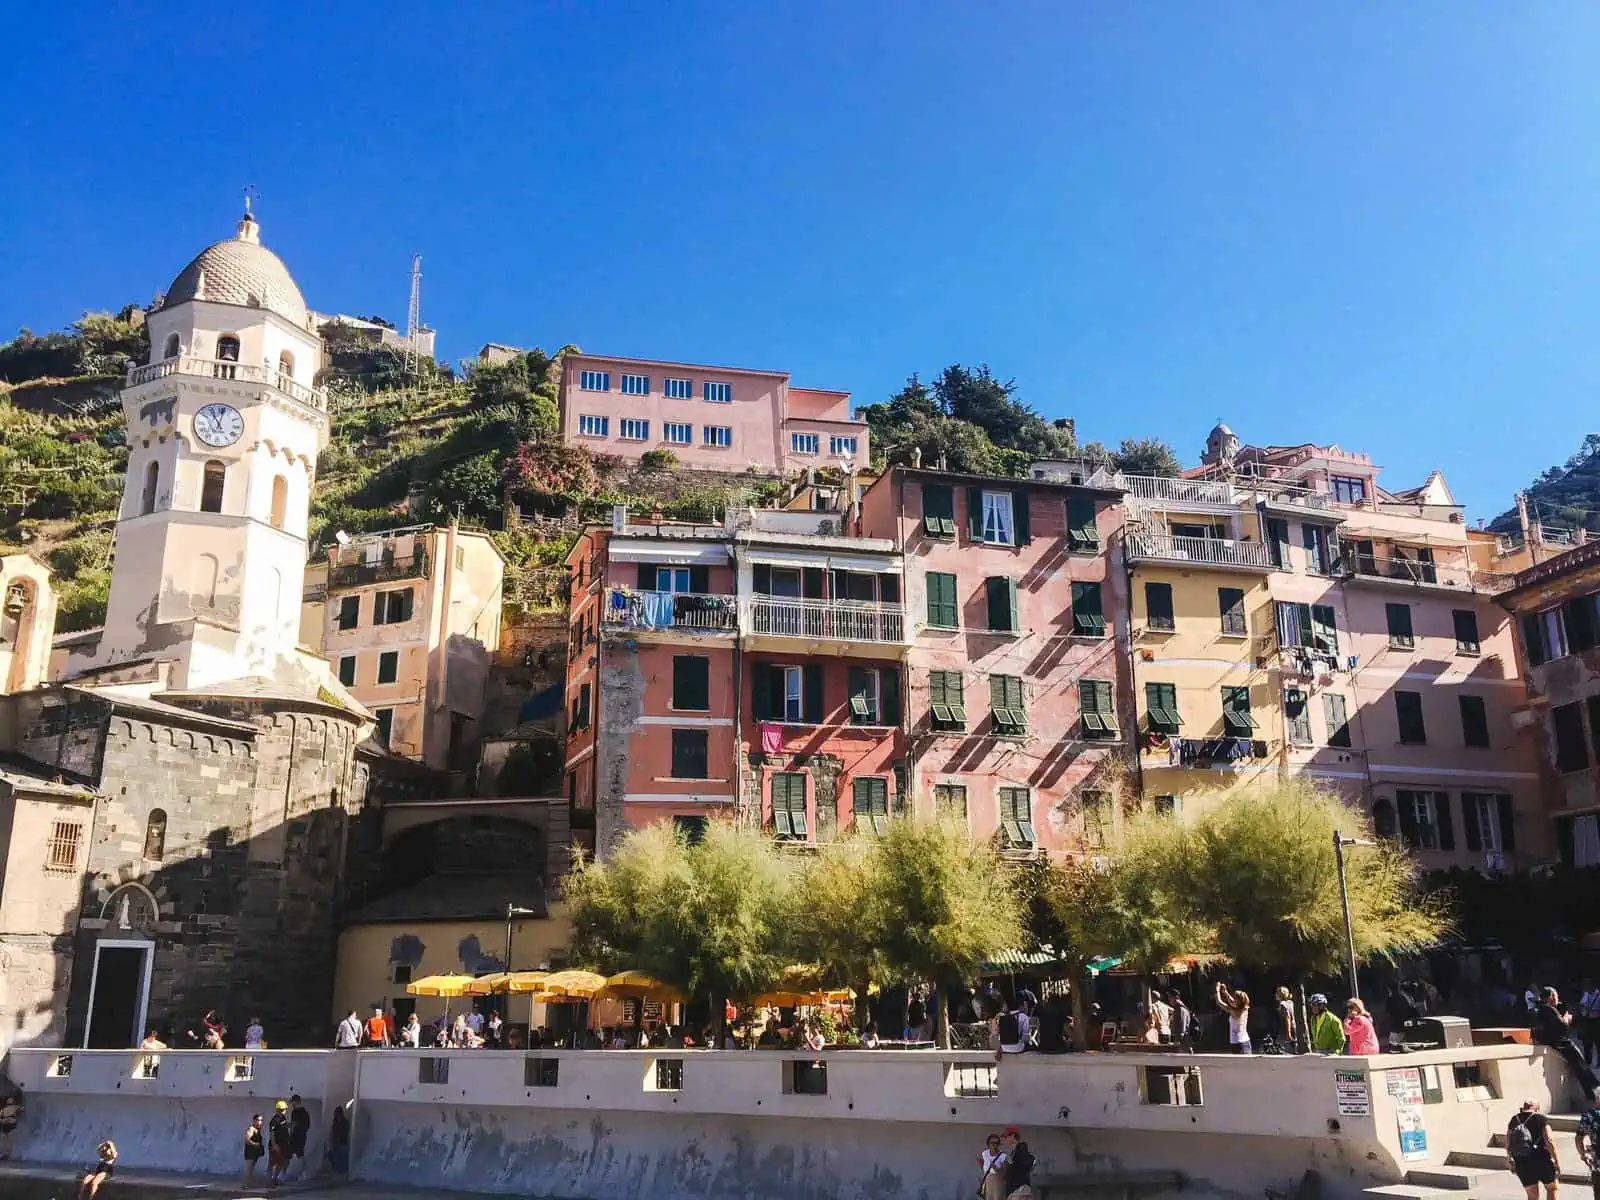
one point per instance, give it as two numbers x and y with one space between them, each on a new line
668 554
1018 960
821 558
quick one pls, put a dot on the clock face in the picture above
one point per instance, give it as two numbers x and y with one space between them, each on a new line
218 425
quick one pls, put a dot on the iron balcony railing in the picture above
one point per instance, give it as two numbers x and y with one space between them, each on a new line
631 608
826 620
1404 568
220 368
383 570
1162 547
1166 490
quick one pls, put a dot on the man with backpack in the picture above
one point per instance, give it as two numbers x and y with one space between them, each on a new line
1532 1151
1010 1031
1018 1165
1589 1146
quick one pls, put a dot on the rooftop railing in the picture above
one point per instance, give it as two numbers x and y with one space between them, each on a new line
1162 489
219 368
382 570
1222 552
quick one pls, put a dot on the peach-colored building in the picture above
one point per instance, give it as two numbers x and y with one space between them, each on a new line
710 418
27 622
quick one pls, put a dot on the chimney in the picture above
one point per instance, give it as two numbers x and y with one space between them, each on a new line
1527 527
916 456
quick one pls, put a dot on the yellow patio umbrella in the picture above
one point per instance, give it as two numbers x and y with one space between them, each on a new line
531 982
447 986
781 999
572 985
638 984
488 985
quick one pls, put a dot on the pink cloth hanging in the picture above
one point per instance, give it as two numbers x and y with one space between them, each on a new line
771 738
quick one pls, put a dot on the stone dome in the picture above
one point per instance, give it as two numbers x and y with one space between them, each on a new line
240 271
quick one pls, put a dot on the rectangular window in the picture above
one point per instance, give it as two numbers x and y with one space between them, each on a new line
1088 618
1308 626
1166 806
788 791
947 701
1237 720
691 682
1298 715
672 579
347 670
1349 490
716 435
838 445
431 1070
1161 708
585 707
541 1072
592 426
998 525
1001 597
943 612
1097 715
938 510
1333 709
863 689
678 389
719 393
1278 541
1016 818
870 800
1319 553
1408 711
1572 748
391 608
1097 819
1533 640
794 708
1466 622
1578 617
385 719
635 385
1006 705
678 433
1474 720
691 829
594 381
803 443
689 754
1487 821
1158 606
1399 616
388 666
1083 534
950 799
1594 724
1230 603
1421 820
635 430
61 852
349 612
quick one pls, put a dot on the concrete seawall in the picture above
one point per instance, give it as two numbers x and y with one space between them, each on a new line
879 1125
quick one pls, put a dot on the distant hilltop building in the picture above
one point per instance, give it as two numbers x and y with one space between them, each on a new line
377 334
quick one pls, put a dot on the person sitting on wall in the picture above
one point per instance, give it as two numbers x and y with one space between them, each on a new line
10 1117
103 1170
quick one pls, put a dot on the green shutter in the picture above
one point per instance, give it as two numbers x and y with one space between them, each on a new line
938 510
1324 628
975 513
856 683
761 693
1088 618
1082 532
811 698
1001 595
889 696
1020 516
942 600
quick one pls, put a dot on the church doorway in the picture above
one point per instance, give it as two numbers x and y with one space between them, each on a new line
119 992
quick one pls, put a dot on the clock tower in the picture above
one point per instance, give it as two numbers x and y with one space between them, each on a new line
224 426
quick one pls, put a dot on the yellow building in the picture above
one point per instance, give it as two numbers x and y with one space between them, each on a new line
410 620
1210 718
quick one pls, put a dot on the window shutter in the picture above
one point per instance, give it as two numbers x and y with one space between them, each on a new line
700 579
1327 631
1408 817
1533 638
1469 820
647 577
975 513
761 692
1508 839
1002 600
1012 608
379 616
761 579
856 689
1441 812
889 588
889 695
1082 532
811 685
1019 516
811 586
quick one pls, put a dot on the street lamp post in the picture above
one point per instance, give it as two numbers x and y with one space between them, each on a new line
1339 843
512 911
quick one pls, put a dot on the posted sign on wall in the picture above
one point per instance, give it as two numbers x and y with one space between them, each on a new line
1350 1090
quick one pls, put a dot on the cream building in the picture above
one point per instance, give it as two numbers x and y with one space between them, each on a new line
27 620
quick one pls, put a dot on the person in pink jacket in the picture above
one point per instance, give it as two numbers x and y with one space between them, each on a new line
1360 1036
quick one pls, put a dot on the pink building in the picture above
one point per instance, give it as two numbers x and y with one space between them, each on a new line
711 418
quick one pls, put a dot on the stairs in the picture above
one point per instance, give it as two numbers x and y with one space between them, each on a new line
1484 1174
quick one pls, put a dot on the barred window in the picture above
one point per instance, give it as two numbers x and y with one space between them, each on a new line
61 852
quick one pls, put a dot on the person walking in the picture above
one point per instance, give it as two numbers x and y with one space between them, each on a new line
1236 1005
1360 1035
299 1135
411 1033
1284 1008
1552 1027
377 1028
278 1143
1162 1012
254 1147
255 1037
1588 1138
1183 1022
339 1141
10 1118
1532 1151
348 1035
1327 1035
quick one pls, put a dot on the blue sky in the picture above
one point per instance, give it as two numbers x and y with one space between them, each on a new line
1374 223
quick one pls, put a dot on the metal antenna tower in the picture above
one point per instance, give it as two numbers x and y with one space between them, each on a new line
414 317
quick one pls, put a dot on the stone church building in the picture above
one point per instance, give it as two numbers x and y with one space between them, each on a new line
197 779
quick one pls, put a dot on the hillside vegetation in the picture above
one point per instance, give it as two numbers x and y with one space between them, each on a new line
1563 497
479 446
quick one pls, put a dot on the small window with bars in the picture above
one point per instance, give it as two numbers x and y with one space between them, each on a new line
1161 708
947 702
1096 714
870 797
1006 705
541 1072
788 791
1016 818
61 852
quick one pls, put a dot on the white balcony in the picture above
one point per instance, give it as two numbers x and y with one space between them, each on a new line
692 612
1216 552
218 368
1191 495
841 621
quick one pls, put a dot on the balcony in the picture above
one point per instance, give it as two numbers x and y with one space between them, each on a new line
1455 574
856 621
1156 491
383 570
1144 546
217 368
690 612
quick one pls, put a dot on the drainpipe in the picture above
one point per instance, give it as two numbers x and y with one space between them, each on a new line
1133 661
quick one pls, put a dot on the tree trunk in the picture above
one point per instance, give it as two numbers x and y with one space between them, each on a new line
1080 1011
941 1032
1302 1026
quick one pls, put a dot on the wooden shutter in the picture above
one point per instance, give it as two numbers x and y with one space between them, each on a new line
761 692
761 579
647 577
975 513
889 588
1325 628
811 693
856 690
1001 596
700 579
1082 532
889 695
1441 816
1406 809
811 583
1022 529
1508 840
